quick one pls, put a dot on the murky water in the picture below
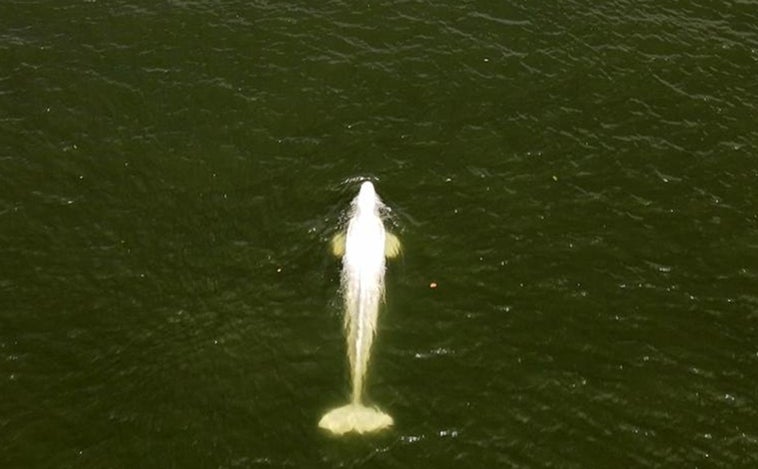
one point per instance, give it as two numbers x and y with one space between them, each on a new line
577 178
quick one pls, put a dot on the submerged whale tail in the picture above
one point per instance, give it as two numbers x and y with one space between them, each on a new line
355 417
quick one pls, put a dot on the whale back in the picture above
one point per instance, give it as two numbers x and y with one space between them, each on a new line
363 267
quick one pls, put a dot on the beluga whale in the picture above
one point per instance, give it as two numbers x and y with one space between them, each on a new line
363 246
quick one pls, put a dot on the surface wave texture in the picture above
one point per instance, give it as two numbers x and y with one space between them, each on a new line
573 182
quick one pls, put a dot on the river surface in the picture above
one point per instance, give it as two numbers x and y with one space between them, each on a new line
574 183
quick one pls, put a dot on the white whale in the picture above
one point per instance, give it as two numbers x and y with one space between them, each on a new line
363 247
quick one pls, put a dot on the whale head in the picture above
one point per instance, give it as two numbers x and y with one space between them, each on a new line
367 199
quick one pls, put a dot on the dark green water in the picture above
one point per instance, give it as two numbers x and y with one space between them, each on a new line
579 179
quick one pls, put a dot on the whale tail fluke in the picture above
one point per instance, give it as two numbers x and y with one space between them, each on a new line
355 417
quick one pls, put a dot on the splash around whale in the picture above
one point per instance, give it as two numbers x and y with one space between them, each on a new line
363 247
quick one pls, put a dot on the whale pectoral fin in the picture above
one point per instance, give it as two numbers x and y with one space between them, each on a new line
338 244
391 246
